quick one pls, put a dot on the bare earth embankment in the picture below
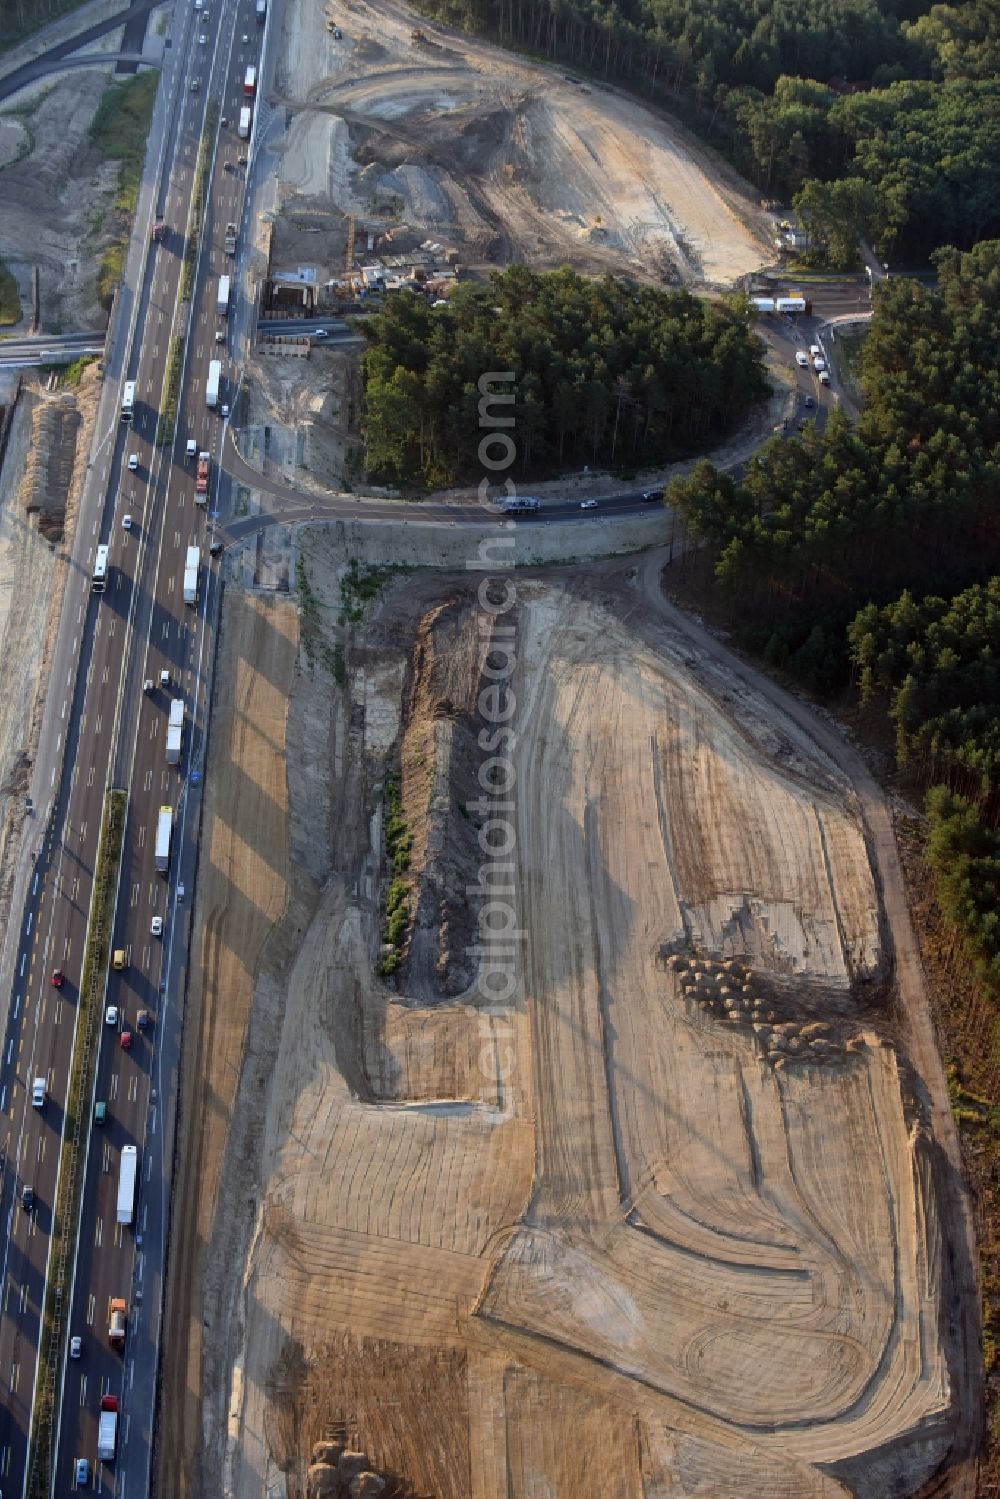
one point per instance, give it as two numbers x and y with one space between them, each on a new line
664 1222
501 158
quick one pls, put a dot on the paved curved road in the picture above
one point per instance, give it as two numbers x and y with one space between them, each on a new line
61 54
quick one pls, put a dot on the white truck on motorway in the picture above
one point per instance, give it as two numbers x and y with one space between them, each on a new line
107 1431
126 1183
261 9
243 129
213 382
164 830
192 564
175 732
222 300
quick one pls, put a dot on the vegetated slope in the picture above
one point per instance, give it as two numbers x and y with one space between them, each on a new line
66 201
601 372
935 663
904 104
19 18
680 1188
822 525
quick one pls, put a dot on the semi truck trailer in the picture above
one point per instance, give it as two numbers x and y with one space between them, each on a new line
201 479
164 830
126 1185
244 125
213 383
107 1431
222 300
192 563
175 732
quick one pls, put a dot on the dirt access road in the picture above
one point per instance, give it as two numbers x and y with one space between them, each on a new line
668 1219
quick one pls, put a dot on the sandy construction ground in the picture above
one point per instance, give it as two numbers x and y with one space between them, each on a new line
661 1221
55 193
500 158
40 485
242 893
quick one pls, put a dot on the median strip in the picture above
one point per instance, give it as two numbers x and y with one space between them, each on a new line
69 1182
197 216
166 423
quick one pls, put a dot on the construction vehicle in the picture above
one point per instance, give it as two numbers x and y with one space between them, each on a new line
230 239
159 230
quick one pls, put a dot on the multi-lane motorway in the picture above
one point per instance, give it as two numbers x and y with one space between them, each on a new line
111 732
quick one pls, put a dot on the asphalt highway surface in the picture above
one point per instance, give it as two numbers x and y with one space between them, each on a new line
109 731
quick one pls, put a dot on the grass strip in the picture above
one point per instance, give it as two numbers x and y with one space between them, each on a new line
166 424
398 843
120 132
198 203
10 300
70 1183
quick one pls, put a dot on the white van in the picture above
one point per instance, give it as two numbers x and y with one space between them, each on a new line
191 449
38 1093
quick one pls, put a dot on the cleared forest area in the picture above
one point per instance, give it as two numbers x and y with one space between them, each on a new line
666 1221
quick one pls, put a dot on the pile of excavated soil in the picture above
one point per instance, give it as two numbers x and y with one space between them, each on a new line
51 461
